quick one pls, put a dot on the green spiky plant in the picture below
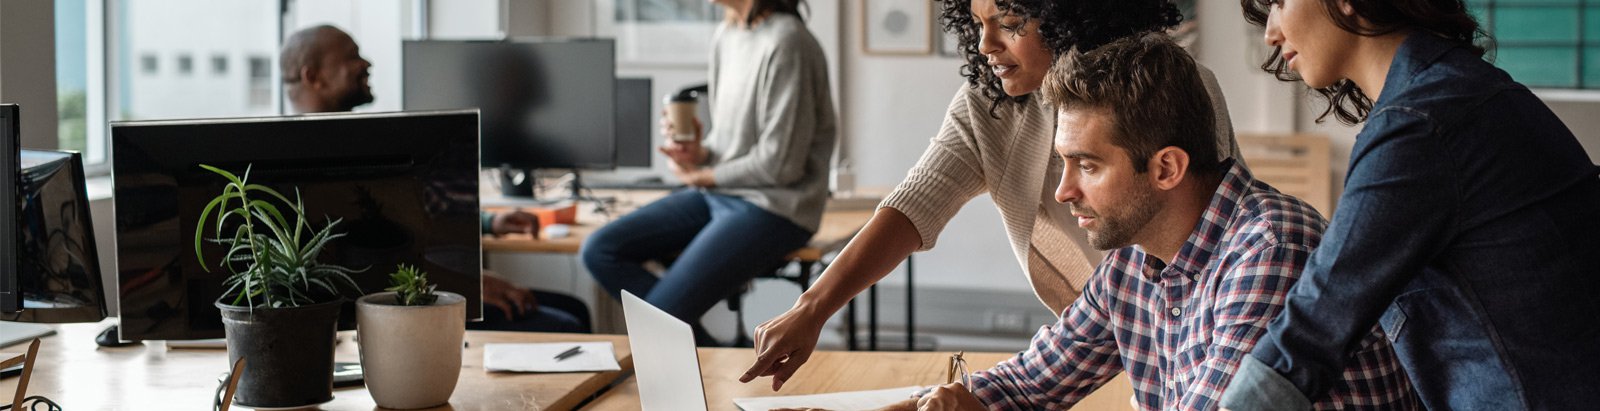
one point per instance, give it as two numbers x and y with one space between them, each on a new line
411 286
272 260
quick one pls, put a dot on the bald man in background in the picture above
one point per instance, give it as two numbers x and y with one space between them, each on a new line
323 72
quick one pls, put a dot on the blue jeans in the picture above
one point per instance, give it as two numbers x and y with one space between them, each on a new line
716 244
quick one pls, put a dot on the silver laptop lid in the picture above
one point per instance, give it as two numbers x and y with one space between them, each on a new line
664 358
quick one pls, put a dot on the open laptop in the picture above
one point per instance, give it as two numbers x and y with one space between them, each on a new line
664 358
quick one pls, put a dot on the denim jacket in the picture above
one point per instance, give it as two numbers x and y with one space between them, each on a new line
1469 230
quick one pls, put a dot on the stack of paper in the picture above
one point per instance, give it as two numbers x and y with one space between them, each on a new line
541 357
840 401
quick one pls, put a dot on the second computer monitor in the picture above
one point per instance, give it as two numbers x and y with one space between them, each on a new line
546 103
57 264
635 130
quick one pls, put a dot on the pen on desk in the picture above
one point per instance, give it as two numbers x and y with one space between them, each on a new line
569 353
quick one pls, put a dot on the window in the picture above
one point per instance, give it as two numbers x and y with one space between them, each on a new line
72 76
1545 43
260 81
219 65
176 28
148 64
185 64
110 58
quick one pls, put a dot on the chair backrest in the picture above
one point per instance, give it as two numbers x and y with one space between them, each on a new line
1296 164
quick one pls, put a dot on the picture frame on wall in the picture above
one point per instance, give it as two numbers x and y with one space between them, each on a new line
897 27
949 45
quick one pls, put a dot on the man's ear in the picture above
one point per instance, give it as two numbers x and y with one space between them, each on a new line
310 78
1169 167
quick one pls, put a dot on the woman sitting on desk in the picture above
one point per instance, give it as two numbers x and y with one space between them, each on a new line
758 179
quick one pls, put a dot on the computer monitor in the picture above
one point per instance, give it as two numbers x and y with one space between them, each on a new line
10 144
57 265
404 187
635 130
546 103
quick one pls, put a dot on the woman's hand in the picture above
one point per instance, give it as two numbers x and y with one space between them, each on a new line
784 343
686 154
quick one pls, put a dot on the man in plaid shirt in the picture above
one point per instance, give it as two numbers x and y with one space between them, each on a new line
1203 254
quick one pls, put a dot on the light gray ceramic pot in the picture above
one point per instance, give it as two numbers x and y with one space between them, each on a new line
411 355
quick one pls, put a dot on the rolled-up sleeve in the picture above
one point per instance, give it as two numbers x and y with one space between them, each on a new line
948 175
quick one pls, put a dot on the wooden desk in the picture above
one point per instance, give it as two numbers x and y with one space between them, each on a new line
79 375
840 222
837 228
836 371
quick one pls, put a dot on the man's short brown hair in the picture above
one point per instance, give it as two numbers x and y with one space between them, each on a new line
1152 89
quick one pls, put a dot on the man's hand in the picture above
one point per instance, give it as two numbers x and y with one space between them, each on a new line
783 344
950 397
514 301
516 221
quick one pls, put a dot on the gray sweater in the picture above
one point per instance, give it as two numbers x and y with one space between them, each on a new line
773 127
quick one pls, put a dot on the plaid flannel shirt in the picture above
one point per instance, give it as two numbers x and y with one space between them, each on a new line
1179 330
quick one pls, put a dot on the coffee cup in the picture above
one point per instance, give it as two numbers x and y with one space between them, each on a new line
681 111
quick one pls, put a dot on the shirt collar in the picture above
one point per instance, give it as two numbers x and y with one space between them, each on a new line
1418 52
1212 227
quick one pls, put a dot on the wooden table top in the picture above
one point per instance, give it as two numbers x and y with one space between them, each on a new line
838 371
78 375
827 371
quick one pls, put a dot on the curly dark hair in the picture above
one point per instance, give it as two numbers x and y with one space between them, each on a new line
1445 18
1085 24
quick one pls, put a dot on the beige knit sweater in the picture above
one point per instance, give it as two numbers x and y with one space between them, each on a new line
1009 157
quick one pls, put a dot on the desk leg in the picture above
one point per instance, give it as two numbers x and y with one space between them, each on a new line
911 308
872 318
850 324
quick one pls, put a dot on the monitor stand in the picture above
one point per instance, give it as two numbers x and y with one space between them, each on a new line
12 333
517 187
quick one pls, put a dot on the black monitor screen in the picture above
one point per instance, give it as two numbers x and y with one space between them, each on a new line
545 103
58 268
635 128
403 186
10 297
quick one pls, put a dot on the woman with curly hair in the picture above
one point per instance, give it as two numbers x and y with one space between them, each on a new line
995 139
1468 226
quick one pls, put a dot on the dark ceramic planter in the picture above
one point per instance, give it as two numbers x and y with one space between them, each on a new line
289 352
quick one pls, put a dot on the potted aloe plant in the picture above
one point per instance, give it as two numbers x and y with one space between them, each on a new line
410 339
280 306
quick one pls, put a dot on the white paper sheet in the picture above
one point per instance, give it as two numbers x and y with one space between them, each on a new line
540 357
838 401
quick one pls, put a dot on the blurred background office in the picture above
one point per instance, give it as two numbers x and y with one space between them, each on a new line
77 64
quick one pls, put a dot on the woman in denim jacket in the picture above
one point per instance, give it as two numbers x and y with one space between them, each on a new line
1468 227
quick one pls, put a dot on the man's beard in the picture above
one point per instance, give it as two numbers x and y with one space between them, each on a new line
356 98
1117 230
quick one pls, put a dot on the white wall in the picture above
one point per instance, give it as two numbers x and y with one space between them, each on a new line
28 68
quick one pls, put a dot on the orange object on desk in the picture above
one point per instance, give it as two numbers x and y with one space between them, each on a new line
567 214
